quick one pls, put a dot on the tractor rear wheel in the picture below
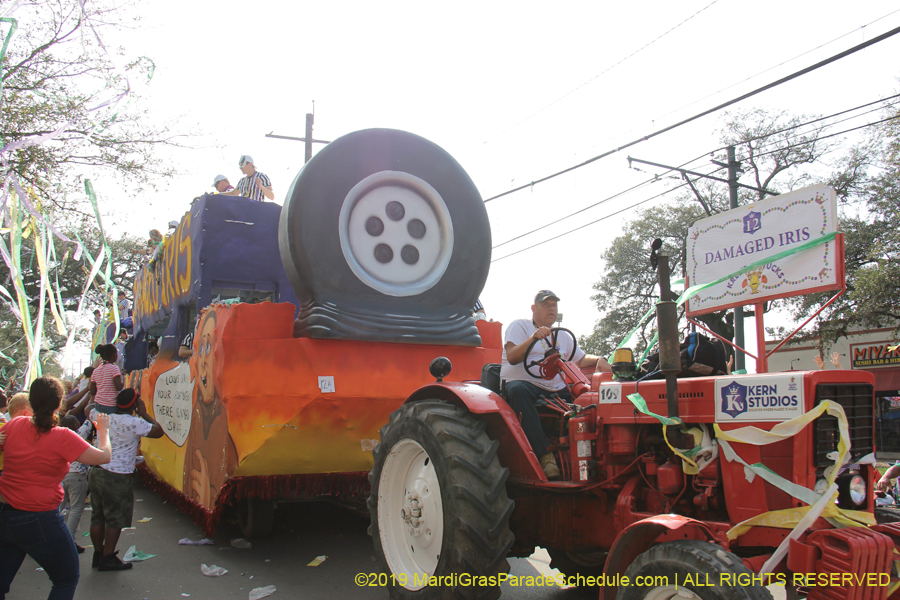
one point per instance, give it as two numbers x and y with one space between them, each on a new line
691 570
439 505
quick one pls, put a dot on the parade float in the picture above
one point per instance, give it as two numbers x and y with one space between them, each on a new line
312 322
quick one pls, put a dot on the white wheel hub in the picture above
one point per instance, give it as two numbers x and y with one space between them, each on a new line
671 592
396 233
410 514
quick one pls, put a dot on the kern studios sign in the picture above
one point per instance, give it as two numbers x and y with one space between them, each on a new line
725 244
759 398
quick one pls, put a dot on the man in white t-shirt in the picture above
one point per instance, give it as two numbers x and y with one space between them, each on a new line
112 495
521 389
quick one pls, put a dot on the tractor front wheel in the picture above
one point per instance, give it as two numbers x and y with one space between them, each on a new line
585 563
438 504
690 570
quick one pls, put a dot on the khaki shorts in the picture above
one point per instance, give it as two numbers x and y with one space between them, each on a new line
112 498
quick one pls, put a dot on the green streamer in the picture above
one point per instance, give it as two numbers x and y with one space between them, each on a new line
641 405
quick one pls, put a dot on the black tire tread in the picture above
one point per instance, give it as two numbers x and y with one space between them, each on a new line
699 557
884 514
477 510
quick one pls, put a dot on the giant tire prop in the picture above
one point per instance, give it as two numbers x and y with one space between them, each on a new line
256 517
438 502
702 561
385 237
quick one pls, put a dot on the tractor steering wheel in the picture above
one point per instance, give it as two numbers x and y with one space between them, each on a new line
554 335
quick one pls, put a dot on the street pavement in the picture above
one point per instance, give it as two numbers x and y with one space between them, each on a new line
302 532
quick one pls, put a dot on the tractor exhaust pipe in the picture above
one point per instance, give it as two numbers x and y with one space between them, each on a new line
667 326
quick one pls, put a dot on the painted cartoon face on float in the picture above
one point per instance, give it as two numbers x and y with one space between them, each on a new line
206 343
385 237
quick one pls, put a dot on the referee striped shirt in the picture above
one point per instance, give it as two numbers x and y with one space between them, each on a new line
246 188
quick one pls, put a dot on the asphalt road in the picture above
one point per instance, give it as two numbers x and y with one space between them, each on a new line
302 532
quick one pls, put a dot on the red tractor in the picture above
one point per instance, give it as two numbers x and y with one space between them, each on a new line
647 505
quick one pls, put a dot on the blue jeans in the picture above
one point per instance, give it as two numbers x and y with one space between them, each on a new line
522 397
44 537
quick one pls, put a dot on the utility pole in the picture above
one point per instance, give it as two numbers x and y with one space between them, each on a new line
308 140
733 168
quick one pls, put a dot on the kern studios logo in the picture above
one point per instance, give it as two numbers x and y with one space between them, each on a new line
734 399
752 222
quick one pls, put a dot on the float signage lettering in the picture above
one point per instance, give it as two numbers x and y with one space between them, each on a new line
724 244
167 280
172 402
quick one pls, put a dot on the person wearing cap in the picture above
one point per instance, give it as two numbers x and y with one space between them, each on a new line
522 391
112 495
254 184
221 184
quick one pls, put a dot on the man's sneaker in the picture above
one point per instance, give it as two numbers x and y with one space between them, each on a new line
80 549
111 562
548 463
95 561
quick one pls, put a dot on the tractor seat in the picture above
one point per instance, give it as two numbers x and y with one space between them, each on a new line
490 378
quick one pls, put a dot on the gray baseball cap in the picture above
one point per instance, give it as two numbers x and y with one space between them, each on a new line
545 295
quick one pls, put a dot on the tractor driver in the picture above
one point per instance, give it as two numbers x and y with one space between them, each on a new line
521 389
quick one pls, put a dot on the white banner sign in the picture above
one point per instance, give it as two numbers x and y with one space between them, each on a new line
759 398
172 402
728 242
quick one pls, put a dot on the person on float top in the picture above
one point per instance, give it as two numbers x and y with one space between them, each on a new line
152 352
222 184
98 319
478 309
124 305
120 349
254 184
106 380
111 486
521 389
186 349
38 454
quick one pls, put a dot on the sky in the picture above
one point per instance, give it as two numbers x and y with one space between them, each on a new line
514 91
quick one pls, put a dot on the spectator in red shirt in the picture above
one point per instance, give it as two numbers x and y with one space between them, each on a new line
37 454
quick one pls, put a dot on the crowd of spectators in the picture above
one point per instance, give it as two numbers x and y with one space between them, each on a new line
65 445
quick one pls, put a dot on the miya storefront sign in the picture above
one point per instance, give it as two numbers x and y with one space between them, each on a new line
878 354
795 231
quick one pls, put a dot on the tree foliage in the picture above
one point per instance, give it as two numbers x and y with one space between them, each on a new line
773 156
871 237
55 73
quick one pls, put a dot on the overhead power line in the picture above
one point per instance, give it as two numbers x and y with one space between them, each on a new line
705 154
825 137
603 218
740 98
636 204
782 63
